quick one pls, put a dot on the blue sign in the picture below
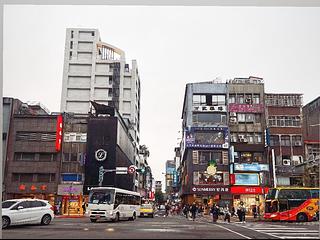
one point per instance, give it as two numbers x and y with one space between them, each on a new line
251 167
251 179
175 179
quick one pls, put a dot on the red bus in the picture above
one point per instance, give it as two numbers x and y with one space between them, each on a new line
292 204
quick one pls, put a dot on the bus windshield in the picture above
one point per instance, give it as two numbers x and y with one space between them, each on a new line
101 196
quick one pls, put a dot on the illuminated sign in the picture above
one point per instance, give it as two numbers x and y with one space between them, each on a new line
249 190
246 108
251 167
59 133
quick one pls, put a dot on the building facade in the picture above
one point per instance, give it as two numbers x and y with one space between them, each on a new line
205 144
33 158
247 126
311 139
284 122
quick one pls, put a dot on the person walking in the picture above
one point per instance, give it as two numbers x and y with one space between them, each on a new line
193 211
186 210
215 213
242 213
167 209
254 211
227 213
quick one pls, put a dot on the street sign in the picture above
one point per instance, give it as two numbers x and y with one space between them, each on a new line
132 169
101 155
121 170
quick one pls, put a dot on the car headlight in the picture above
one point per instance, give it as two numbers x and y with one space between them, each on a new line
111 212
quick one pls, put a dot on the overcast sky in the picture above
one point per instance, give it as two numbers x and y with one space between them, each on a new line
173 46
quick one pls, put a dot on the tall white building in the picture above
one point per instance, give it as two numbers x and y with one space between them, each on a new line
97 71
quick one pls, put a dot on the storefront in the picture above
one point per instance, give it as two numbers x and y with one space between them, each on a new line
250 196
70 199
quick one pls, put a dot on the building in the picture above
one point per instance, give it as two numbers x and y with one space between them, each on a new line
311 139
33 157
95 71
284 122
158 186
205 144
71 178
170 173
247 126
109 146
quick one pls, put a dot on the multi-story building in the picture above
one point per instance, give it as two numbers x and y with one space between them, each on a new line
284 121
71 178
158 186
97 71
311 138
33 158
170 172
247 125
205 144
109 146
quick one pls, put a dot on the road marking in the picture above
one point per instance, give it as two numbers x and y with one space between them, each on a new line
258 231
233 231
159 230
110 229
86 229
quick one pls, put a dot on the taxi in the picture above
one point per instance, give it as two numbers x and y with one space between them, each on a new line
147 210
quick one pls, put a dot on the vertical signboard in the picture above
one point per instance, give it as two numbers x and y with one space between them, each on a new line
59 133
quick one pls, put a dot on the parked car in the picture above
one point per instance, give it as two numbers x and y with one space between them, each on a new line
147 210
26 211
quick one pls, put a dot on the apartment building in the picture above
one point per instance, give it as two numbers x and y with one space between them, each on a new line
284 122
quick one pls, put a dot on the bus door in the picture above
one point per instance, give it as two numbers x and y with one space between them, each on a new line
284 209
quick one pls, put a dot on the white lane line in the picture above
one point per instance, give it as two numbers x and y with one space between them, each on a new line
291 237
233 232
258 231
290 232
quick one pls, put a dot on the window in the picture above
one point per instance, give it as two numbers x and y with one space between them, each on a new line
249 118
294 194
241 117
285 141
234 137
206 156
35 204
209 118
297 140
240 99
296 122
71 44
49 177
274 140
4 136
232 99
25 204
26 177
92 34
218 100
199 100
209 138
24 156
258 138
246 157
248 99
250 138
257 157
256 99
70 55
257 118
272 121
71 34
47 157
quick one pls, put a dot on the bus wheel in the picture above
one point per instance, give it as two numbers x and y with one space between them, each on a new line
302 217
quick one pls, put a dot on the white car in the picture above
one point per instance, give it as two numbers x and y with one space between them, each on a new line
26 211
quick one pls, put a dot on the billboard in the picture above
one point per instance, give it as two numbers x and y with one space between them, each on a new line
251 167
251 179
207 137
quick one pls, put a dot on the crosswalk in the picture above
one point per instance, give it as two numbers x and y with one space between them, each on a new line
282 231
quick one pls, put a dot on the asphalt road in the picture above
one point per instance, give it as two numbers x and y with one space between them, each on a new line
175 227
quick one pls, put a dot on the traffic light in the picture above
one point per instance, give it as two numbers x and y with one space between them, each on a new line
141 170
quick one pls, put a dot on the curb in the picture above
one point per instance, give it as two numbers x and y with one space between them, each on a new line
62 216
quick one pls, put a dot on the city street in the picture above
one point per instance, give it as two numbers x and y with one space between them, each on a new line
174 227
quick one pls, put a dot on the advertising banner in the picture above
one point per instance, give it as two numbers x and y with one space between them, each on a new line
207 137
251 179
68 189
251 167
246 108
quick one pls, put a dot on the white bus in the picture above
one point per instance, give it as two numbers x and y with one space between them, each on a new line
107 203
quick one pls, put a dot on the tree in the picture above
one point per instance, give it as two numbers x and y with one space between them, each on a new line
159 197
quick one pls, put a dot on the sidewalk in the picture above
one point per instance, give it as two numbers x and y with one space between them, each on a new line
70 216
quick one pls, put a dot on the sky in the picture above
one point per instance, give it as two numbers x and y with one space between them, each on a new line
173 46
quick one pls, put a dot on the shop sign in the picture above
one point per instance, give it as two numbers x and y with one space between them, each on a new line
251 167
65 189
59 133
246 108
249 190
33 188
210 189
22 187
247 179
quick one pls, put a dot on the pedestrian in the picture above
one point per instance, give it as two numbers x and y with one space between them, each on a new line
233 211
254 211
167 209
193 211
186 210
215 213
227 213
242 212
84 207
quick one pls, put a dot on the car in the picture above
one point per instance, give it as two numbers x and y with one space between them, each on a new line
147 210
26 211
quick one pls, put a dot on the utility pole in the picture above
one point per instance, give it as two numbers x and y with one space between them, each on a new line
274 169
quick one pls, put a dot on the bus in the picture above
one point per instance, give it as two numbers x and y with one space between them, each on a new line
292 204
107 203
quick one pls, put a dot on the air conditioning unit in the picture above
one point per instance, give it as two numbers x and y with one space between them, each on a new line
298 143
248 100
286 162
243 140
233 114
233 120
